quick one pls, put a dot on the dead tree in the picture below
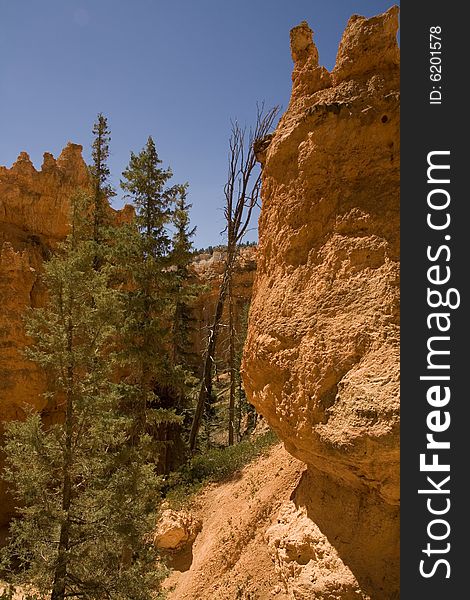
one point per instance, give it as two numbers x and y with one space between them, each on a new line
232 366
241 196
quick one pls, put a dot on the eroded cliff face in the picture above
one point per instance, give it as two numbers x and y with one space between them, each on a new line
208 270
321 361
34 217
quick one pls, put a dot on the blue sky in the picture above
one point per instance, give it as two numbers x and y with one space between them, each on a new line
178 70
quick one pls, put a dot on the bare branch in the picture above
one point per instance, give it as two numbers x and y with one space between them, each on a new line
241 191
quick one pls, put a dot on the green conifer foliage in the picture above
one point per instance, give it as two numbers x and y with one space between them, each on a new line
99 171
146 183
185 291
150 298
86 496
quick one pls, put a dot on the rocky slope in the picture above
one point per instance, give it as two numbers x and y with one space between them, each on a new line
253 537
230 558
322 356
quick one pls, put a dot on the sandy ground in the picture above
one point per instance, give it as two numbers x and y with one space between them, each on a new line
229 558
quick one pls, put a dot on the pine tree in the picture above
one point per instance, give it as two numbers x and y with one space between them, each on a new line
185 292
182 244
86 496
145 182
102 191
150 297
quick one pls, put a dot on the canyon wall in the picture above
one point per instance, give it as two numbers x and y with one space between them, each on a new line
34 217
321 362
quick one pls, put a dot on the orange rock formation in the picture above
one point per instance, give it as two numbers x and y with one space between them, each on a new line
34 217
322 356
208 269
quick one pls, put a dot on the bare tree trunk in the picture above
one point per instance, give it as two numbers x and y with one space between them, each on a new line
205 390
241 196
231 406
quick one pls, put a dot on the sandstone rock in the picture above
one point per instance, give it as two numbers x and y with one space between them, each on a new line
321 361
308 565
208 270
34 207
20 381
364 38
175 530
34 217
307 76
336 541
37 202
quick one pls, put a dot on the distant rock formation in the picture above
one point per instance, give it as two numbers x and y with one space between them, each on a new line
37 202
208 270
321 361
34 217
